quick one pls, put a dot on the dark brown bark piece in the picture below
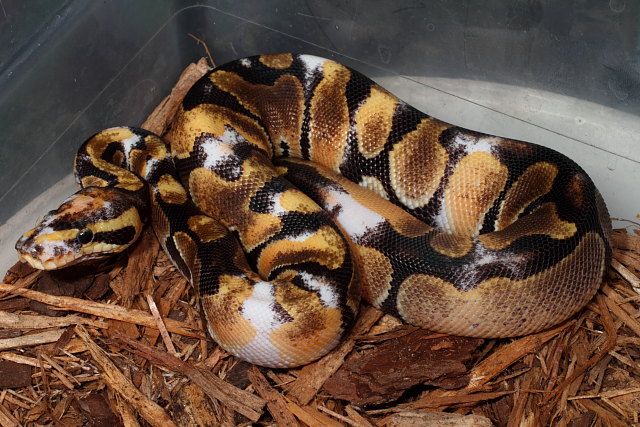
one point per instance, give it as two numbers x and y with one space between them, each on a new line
71 282
383 373
14 375
18 271
97 410
98 288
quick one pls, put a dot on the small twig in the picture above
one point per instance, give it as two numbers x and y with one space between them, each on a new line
108 311
633 280
148 409
338 416
161 326
206 49
612 337
234 398
25 282
607 394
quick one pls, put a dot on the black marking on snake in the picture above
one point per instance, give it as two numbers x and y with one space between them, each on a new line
263 200
309 92
120 236
257 73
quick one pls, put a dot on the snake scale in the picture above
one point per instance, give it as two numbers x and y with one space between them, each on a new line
290 186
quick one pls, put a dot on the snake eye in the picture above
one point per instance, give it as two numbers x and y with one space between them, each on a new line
84 236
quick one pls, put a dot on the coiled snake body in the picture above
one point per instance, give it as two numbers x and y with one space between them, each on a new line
449 229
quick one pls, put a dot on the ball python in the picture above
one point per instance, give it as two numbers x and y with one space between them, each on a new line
290 186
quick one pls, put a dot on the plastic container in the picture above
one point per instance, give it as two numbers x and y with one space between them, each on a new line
561 74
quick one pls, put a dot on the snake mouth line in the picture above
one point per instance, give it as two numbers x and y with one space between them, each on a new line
97 251
51 263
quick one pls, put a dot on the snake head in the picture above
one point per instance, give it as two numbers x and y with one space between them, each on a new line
92 224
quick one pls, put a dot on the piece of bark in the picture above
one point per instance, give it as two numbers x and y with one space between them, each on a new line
623 240
97 411
149 410
109 311
14 304
382 374
191 407
70 282
276 403
98 288
237 399
238 375
436 419
30 321
159 119
135 277
585 420
19 270
30 340
14 375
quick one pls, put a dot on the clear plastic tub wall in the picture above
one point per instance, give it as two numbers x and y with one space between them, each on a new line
560 74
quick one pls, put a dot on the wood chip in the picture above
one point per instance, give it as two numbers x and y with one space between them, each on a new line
276 403
31 339
383 373
108 311
149 410
436 419
240 401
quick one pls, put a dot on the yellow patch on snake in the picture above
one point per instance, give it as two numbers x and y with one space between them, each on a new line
156 148
211 119
102 139
93 181
294 200
313 327
534 182
501 306
325 247
543 220
279 61
224 317
377 274
29 233
472 189
206 228
58 235
417 163
451 245
130 217
280 106
171 191
329 117
374 120
117 158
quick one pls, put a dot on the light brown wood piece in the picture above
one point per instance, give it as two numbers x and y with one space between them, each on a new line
108 311
148 409
276 403
241 401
